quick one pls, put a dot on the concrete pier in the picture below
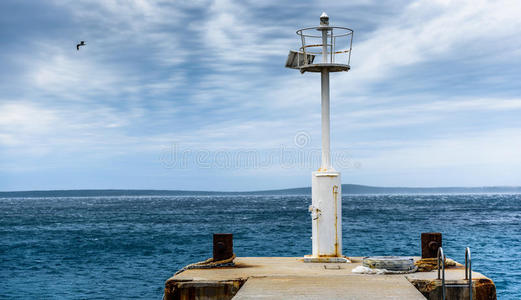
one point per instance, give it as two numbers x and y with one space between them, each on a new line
291 278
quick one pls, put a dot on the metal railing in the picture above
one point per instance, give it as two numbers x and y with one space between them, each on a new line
339 41
441 271
442 257
468 270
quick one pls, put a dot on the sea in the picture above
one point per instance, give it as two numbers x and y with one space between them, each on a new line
125 247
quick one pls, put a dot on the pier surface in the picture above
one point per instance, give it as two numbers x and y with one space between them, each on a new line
329 287
291 278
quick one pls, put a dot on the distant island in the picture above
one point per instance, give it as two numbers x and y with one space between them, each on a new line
347 189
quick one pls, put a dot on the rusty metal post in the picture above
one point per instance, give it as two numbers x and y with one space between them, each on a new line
431 241
222 246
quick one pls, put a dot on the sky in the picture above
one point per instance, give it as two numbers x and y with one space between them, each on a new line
194 95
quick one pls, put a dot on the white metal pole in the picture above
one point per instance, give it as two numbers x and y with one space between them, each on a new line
326 184
326 151
326 155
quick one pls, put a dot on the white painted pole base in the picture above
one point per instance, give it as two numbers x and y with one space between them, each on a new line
326 214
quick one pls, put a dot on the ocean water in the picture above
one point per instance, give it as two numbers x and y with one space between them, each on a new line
126 247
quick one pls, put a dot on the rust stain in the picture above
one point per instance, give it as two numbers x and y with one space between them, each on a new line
335 196
485 289
328 255
429 264
317 239
215 289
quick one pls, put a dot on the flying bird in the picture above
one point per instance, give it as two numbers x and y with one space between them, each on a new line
82 43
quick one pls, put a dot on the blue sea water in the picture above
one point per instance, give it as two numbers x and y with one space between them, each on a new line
126 247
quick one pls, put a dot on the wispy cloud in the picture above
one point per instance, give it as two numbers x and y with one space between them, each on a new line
433 30
451 160
427 77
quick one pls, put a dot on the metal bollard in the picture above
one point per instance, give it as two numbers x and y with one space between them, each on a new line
430 242
222 246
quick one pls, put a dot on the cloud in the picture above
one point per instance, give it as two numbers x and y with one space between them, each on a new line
34 129
493 147
432 31
77 78
117 26
210 75
436 107
230 36
18 121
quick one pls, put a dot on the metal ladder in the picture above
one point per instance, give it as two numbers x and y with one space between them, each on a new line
442 256
468 271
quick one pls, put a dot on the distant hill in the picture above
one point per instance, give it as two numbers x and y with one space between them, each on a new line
346 189
365 189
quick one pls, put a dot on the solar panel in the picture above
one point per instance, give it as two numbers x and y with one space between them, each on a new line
296 59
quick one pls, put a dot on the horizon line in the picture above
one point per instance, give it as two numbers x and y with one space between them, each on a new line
265 190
